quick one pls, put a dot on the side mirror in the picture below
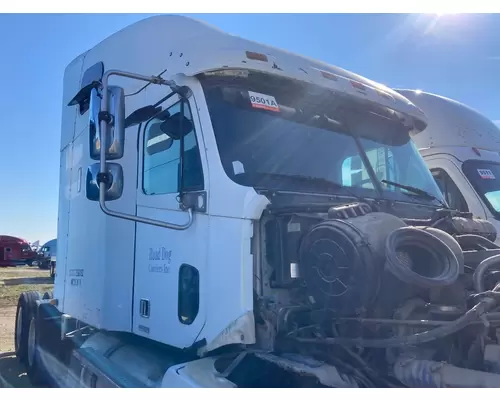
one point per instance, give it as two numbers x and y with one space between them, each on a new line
176 126
115 135
141 115
115 187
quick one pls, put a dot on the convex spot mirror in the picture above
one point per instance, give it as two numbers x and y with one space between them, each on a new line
176 126
141 115
115 187
164 129
115 131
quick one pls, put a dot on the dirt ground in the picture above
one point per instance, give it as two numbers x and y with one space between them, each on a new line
14 281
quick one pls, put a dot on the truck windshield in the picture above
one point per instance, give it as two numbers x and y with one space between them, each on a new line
484 176
279 136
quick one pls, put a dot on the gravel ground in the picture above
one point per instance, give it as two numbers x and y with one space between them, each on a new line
14 281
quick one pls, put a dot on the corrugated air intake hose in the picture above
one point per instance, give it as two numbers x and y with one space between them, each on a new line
418 257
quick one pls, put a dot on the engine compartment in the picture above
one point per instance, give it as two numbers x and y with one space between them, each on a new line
387 301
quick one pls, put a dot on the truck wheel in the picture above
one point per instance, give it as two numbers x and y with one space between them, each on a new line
26 307
43 265
33 366
52 271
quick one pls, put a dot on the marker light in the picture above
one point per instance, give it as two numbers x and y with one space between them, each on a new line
256 56
358 85
329 76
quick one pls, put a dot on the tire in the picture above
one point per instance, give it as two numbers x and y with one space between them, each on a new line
43 265
52 271
34 368
31 348
53 353
26 308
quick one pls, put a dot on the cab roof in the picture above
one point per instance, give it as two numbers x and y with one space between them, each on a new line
167 45
451 123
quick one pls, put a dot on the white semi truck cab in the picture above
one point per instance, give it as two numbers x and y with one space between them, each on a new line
234 215
462 149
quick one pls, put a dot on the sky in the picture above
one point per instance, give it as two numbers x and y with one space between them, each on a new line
457 56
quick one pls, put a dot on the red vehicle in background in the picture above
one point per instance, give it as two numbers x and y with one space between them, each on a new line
15 251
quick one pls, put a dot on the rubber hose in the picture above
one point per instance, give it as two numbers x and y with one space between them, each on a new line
422 242
418 338
415 373
451 242
482 268
473 241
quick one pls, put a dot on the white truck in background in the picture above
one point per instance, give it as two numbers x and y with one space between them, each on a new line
462 149
234 215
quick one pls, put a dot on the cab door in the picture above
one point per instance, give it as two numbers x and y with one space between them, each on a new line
171 264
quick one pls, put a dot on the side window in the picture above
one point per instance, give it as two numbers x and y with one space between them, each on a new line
162 147
354 173
451 193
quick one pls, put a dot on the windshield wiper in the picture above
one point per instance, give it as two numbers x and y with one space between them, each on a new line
310 179
415 190
313 179
300 178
